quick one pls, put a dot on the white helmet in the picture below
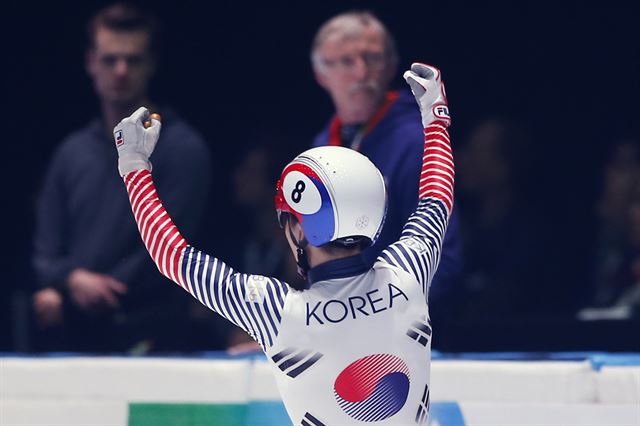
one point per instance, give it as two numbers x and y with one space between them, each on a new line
336 193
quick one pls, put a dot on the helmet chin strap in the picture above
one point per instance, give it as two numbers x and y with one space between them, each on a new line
302 260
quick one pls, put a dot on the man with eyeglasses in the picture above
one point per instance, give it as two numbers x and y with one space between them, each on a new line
354 59
94 276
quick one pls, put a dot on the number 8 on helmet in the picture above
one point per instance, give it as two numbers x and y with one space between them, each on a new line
335 193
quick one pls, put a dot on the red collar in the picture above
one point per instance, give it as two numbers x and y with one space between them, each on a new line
336 124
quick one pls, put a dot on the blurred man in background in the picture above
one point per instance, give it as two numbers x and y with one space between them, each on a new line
354 59
263 248
99 290
616 266
507 244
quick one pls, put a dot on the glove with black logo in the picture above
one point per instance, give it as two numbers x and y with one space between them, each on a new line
135 142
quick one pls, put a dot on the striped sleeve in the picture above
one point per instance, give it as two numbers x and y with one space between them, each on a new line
418 250
252 302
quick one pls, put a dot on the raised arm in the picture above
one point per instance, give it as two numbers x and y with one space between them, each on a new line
251 302
418 250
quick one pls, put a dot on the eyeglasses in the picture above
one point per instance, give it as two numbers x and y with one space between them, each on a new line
374 60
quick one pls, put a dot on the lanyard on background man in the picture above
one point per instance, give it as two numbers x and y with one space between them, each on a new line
336 124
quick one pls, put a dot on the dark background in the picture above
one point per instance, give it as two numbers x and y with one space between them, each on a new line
239 70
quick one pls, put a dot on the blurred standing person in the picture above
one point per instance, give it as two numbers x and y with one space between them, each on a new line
93 273
508 252
354 59
263 248
617 259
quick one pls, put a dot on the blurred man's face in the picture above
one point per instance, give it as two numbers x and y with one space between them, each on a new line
356 72
121 66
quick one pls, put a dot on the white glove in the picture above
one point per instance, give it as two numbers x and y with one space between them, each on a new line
135 143
428 89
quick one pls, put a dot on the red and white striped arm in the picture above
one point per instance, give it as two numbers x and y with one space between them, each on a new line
437 175
205 277
418 250
159 234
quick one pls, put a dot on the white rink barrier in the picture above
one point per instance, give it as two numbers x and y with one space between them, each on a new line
112 391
